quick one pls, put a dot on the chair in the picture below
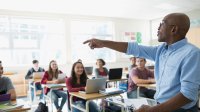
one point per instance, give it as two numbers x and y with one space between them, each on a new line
37 77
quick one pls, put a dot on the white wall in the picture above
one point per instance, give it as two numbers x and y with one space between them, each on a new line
121 25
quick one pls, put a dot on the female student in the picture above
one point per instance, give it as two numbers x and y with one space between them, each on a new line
100 71
51 77
77 82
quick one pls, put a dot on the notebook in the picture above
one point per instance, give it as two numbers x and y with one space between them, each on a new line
110 91
94 85
115 73
5 98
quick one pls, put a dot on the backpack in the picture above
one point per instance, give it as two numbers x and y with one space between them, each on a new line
42 107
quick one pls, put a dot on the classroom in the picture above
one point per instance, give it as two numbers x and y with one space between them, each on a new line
100 55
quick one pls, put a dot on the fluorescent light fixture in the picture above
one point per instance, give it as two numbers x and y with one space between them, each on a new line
167 6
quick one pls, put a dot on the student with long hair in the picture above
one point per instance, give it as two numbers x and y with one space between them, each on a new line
51 77
77 82
101 71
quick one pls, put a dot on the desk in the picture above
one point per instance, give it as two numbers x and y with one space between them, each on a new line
88 98
146 86
24 108
52 86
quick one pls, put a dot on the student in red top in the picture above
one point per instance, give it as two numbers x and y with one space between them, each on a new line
100 71
77 82
51 77
140 75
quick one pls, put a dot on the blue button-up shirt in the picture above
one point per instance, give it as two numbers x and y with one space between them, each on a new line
177 69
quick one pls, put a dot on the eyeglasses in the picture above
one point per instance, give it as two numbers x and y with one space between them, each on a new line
163 22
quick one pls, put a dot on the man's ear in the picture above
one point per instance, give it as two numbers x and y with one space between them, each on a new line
174 29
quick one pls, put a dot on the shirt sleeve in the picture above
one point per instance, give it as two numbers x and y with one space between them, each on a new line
28 74
70 88
9 84
190 79
148 52
44 78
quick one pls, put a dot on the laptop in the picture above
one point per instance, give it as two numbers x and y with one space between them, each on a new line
61 76
5 98
115 73
94 85
38 75
89 70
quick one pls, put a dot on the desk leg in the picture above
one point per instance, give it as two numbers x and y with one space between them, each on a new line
87 105
138 92
51 100
70 102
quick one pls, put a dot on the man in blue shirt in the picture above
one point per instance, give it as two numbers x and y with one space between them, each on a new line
177 64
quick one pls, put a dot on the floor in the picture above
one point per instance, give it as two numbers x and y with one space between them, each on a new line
34 105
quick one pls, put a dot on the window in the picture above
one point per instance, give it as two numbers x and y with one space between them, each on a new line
25 39
83 30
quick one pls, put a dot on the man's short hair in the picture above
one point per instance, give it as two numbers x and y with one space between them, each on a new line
35 61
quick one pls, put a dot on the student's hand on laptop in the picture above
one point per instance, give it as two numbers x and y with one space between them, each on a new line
144 108
94 43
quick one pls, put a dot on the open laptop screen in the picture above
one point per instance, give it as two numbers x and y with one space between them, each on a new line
115 73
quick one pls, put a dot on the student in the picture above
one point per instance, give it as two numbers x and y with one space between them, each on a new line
6 85
176 64
140 75
133 63
100 71
51 77
77 82
29 75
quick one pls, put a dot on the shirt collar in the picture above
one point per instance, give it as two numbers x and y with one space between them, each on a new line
176 45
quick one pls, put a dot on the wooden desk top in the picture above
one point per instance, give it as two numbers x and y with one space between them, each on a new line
147 85
90 96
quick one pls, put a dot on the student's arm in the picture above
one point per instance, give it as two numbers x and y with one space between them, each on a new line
13 94
72 89
172 104
118 46
28 75
11 89
45 79
134 76
136 80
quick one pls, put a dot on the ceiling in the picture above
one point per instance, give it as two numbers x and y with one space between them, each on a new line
138 9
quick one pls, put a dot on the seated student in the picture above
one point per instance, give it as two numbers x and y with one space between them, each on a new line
29 75
6 86
77 82
133 63
140 75
51 77
100 71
